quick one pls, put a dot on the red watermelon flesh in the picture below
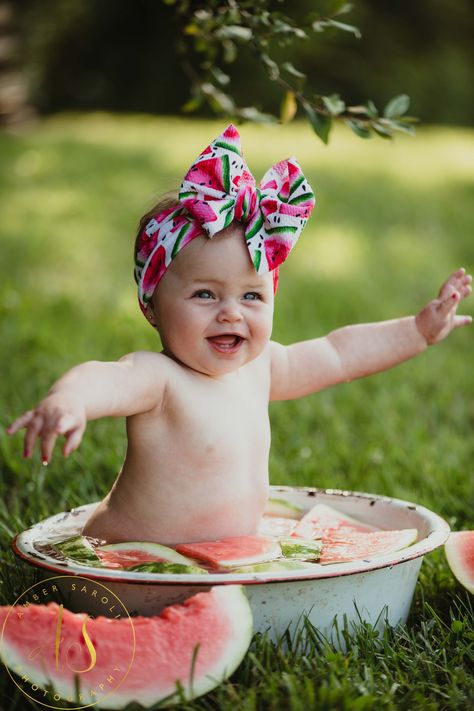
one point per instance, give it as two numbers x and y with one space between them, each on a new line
125 559
323 520
215 627
345 547
236 550
459 549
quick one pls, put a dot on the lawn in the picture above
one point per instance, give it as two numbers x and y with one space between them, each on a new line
392 221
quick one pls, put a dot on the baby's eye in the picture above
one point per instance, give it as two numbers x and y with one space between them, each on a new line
252 296
203 294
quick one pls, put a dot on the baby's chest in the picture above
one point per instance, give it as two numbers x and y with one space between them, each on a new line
222 425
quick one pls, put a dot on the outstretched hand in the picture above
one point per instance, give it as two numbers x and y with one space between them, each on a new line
439 317
57 414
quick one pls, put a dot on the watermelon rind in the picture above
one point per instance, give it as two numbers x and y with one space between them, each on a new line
283 508
214 632
157 549
459 549
300 548
167 568
79 550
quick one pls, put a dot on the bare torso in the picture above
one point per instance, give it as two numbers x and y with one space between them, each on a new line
197 465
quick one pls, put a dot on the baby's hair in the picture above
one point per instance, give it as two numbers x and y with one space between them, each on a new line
164 202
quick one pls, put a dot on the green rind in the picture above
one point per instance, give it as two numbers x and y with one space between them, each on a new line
168 568
169 554
78 550
300 548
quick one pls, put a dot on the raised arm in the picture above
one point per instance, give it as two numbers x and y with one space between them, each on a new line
363 349
133 384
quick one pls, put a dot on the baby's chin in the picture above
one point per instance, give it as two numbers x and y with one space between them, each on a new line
212 367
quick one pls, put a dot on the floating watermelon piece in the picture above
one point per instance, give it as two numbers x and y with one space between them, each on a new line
283 508
275 526
229 552
79 550
300 548
132 553
345 547
209 634
459 549
323 520
169 568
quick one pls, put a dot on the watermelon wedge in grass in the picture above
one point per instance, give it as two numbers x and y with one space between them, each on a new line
345 547
459 549
195 645
234 551
323 520
282 508
132 553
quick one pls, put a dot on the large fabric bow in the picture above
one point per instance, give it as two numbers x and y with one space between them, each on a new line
218 189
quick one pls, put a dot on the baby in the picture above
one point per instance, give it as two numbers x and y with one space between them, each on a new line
196 466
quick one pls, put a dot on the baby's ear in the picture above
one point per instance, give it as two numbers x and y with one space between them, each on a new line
149 313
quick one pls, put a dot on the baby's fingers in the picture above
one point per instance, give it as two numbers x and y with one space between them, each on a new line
33 431
73 440
20 422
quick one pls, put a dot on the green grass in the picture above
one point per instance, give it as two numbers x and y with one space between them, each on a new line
392 221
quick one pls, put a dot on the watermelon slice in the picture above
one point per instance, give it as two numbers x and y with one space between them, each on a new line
169 568
283 508
132 553
323 520
275 526
459 549
345 547
300 548
208 635
229 552
79 550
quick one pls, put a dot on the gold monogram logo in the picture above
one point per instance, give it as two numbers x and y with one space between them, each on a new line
42 661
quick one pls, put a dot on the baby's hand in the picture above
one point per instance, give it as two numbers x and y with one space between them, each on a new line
439 317
59 413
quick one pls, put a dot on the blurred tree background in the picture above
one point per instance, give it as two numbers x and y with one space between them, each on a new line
121 55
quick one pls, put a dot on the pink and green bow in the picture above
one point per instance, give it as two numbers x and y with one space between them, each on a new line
218 189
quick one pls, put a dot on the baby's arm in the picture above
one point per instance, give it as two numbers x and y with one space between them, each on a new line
359 350
133 384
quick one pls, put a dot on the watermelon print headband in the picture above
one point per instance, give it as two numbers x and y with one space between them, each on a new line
218 189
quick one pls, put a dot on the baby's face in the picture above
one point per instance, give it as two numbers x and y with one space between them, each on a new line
213 311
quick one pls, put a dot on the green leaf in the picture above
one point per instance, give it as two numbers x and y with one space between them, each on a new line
382 130
234 32
372 110
251 113
403 127
321 124
397 106
230 51
271 66
288 107
288 67
359 128
218 100
192 104
220 77
334 104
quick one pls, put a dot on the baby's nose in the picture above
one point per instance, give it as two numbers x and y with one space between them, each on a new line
229 311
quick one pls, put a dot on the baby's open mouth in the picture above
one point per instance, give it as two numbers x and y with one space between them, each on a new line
226 342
